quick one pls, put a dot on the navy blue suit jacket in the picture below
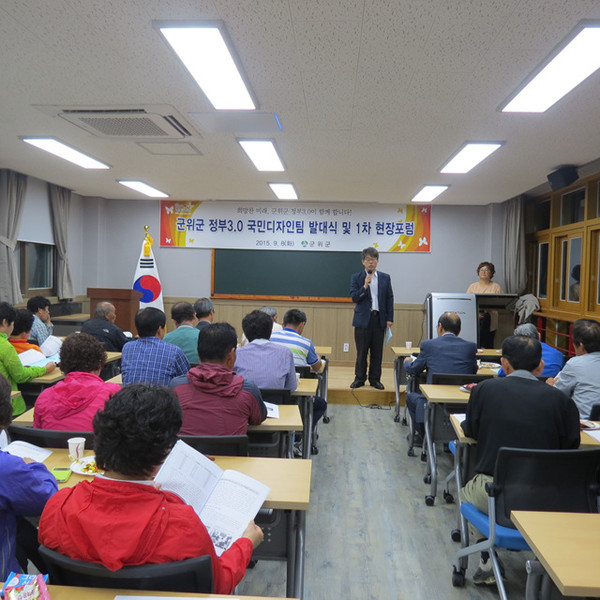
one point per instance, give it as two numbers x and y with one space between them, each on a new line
362 299
445 354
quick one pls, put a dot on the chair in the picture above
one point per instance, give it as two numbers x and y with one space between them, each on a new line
540 480
219 445
438 429
595 412
190 575
48 438
277 396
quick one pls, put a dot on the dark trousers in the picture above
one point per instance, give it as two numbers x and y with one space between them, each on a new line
369 340
486 337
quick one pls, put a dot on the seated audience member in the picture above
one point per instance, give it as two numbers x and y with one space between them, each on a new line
103 328
447 353
10 365
21 333
149 359
186 334
214 400
266 364
518 411
553 359
42 324
580 377
272 312
303 351
121 518
25 487
70 405
205 312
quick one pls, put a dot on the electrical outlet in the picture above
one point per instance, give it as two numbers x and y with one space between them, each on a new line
346 347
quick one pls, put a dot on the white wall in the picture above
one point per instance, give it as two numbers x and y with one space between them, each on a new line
462 236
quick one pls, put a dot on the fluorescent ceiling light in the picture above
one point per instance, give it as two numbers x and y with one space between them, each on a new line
469 156
574 63
263 154
429 192
140 186
66 152
284 191
204 51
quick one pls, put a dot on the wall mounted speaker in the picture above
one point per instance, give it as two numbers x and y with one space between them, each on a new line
563 177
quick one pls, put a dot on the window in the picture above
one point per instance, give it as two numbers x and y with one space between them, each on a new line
572 207
570 269
36 264
542 270
541 215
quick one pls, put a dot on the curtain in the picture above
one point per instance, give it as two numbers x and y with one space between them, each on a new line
60 202
12 200
515 270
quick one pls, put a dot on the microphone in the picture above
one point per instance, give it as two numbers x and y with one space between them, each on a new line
370 271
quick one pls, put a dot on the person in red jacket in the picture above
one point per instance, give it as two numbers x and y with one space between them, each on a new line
121 518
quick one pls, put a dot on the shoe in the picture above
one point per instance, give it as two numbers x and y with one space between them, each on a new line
298 449
377 385
356 384
417 440
485 573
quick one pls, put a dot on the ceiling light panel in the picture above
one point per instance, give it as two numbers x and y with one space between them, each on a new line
429 193
577 60
469 156
263 154
143 188
284 191
65 152
205 50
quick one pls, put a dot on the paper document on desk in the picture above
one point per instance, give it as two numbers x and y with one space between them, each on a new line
272 410
460 416
225 501
51 346
27 450
594 434
31 357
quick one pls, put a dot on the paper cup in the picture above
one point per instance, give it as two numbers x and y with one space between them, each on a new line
76 447
409 345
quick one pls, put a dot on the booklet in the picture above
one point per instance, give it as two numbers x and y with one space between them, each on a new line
27 450
225 501
51 346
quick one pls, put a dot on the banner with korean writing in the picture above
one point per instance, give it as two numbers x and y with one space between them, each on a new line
255 225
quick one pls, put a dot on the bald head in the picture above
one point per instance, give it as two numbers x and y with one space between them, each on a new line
449 322
105 310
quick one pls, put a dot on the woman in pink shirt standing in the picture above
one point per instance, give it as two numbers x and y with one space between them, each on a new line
70 405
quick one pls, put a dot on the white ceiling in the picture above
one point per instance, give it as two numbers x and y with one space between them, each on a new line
374 96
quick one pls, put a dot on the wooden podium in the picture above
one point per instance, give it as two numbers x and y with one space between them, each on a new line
126 302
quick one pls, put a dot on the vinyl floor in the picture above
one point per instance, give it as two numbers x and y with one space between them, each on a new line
370 535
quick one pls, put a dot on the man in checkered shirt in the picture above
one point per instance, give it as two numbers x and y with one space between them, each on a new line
149 359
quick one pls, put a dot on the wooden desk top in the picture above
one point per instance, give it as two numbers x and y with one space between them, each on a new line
444 394
14 394
76 318
306 387
494 353
323 350
58 375
567 546
289 420
63 592
288 478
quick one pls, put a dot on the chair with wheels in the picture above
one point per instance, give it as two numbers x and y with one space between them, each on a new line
524 479
438 429
48 438
190 575
218 445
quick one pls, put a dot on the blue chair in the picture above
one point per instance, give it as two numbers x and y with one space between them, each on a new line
540 480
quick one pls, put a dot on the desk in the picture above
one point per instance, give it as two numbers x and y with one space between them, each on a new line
444 394
64 592
74 318
66 324
567 546
323 350
305 392
289 480
58 375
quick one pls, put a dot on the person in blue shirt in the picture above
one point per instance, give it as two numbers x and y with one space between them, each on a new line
25 487
554 360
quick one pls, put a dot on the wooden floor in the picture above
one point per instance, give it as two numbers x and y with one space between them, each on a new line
370 535
340 379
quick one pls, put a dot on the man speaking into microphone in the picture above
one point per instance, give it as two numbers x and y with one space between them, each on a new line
371 291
